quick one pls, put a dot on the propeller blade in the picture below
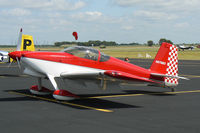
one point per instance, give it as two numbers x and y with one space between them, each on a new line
9 64
18 62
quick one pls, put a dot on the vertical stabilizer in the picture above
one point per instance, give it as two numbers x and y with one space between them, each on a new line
25 42
19 40
166 63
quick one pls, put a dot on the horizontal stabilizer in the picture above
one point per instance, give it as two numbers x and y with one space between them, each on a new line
170 76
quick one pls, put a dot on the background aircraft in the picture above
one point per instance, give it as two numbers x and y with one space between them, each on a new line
182 47
25 43
85 62
4 56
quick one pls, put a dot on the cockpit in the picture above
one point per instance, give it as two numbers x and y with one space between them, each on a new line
87 53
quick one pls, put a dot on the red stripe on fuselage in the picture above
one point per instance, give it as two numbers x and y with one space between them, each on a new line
111 64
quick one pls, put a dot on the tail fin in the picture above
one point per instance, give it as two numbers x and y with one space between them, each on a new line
25 42
165 64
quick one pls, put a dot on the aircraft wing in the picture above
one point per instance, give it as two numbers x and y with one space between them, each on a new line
110 73
80 74
169 76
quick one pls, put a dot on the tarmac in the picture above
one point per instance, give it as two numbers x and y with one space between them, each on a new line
121 108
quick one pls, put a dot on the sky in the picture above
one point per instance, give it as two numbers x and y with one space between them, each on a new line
122 21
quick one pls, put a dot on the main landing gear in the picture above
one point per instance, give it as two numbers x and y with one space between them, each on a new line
64 95
57 94
173 89
39 90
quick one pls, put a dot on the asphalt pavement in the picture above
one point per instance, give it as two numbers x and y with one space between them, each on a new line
121 108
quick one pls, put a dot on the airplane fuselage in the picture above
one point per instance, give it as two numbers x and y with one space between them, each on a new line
55 63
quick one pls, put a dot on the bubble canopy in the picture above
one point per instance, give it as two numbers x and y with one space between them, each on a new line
87 53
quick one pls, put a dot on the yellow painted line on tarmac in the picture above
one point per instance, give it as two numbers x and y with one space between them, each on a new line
153 93
185 63
7 76
62 102
182 92
112 96
7 66
189 65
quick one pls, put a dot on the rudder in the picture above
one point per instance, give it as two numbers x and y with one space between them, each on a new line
165 64
25 42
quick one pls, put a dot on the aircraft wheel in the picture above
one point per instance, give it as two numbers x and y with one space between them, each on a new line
64 95
173 89
44 91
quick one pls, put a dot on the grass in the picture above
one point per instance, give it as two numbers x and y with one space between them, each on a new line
141 51
129 51
189 54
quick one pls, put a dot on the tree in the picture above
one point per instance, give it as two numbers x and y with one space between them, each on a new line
161 41
150 43
169 41
164 40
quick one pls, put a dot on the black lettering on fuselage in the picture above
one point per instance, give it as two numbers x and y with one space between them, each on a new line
27 42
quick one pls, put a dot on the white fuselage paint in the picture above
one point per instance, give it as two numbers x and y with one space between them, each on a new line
53 68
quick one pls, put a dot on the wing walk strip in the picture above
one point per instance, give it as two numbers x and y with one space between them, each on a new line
153 93
62 102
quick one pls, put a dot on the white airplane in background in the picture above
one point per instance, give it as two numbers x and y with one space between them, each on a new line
4 57
183 47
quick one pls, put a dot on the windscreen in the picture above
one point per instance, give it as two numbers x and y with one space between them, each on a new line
83 52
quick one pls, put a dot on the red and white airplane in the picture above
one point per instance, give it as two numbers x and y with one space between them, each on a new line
79 61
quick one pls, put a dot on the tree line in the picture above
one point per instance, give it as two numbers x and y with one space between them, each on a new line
102 44
93 43
151 43
108 43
